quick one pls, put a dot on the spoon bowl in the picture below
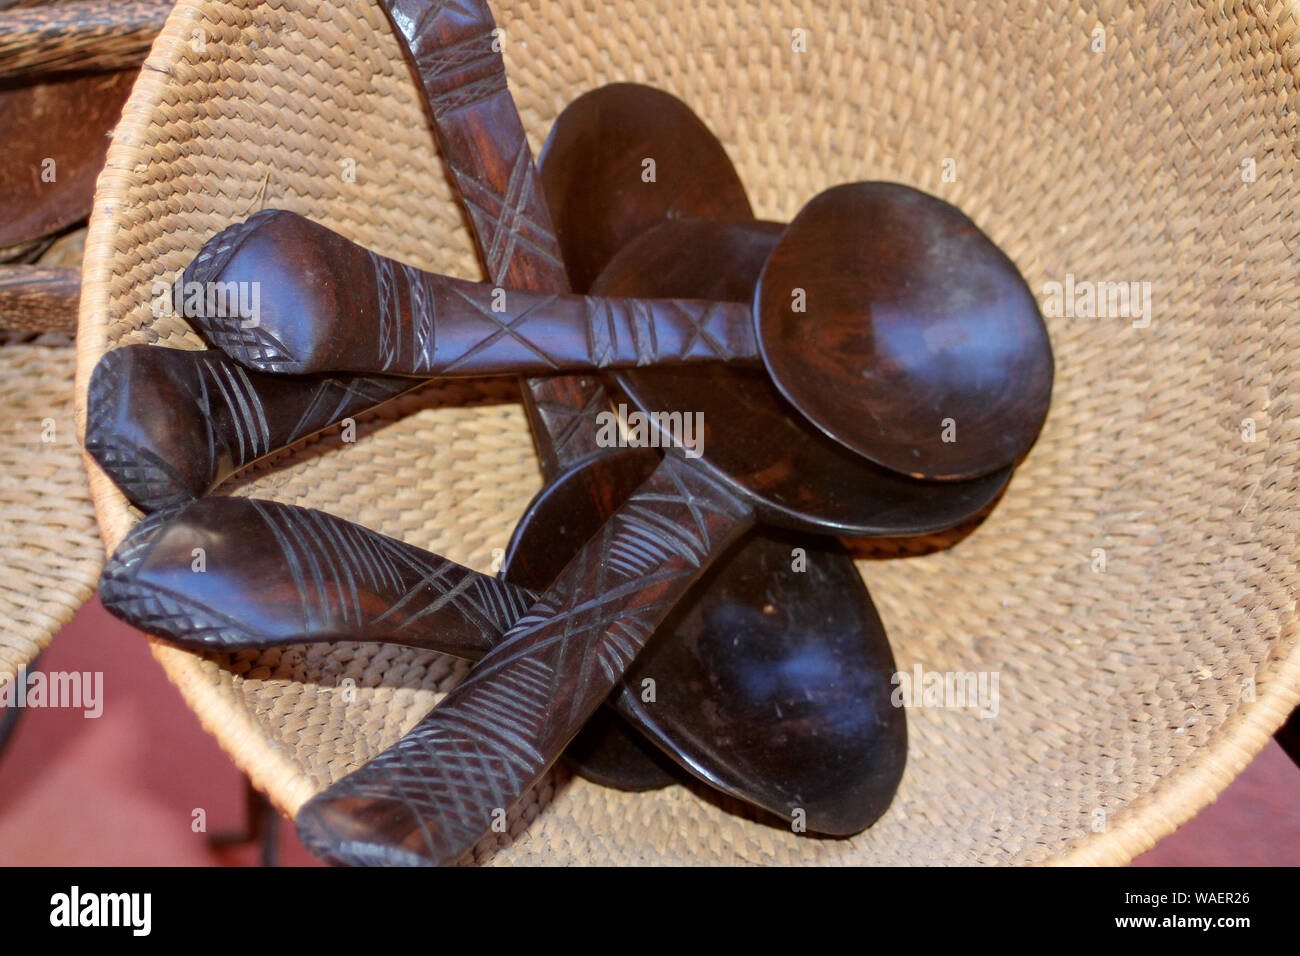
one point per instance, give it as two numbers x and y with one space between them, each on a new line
899 329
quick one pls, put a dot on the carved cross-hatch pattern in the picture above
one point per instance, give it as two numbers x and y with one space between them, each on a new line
346 580
449 327
434 794
243 416
709 330
332 561
459 75
456 53
516 222
480 134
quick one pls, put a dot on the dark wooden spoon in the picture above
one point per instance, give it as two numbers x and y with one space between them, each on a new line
884 316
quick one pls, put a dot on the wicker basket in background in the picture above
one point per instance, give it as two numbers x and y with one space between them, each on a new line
50 552
1134 588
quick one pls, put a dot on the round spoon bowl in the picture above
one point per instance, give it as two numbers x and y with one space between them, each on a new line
904 333
620 160
770 681
752 437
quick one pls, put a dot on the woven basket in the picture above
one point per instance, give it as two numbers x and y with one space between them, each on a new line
1133 590
50 553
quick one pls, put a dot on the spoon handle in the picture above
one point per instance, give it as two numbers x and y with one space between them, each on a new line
169 425
320 303
438 790
455 51
238 573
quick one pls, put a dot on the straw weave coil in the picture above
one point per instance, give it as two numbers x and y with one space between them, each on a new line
50 553
1134 589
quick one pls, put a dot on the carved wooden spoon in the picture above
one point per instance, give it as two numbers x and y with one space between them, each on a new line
884 315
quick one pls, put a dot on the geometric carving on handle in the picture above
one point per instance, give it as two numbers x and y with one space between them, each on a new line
482 141
433 795
277 574
393 318
169 425
551 332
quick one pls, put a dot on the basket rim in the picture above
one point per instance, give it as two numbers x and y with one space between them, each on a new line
1134 829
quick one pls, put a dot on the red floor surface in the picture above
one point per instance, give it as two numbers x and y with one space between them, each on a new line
121 790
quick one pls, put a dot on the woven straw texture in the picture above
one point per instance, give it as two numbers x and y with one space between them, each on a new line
50 553
1133 589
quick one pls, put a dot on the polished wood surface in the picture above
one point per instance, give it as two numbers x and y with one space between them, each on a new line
481 139
623 158
918 345
326 304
